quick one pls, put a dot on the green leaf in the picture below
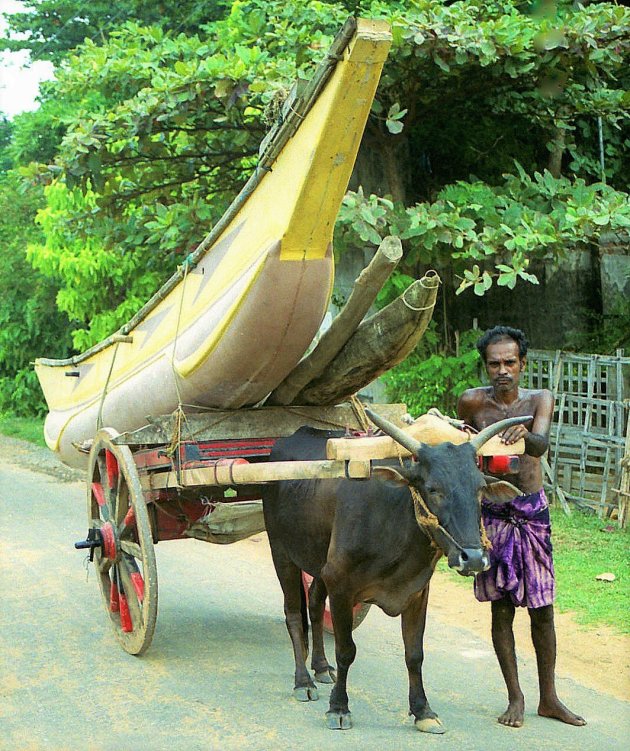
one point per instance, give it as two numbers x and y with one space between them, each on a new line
441 63
394 126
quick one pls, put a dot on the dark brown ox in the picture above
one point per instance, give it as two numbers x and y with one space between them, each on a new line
361 541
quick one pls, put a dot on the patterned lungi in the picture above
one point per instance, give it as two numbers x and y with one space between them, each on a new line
521 564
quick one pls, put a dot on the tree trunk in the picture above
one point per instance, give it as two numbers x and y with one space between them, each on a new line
559 145
378 344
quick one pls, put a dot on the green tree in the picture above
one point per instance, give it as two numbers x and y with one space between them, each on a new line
29 318
482 150
49 29
468 88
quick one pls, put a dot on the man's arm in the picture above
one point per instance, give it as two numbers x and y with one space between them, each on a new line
467 407
536 439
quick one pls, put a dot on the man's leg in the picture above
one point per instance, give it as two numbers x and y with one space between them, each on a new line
503 641
544 638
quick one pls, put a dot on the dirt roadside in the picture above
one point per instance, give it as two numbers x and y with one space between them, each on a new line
596 657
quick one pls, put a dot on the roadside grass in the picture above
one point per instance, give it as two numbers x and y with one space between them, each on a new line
585 546
26 428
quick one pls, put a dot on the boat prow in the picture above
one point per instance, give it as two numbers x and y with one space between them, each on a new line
236 318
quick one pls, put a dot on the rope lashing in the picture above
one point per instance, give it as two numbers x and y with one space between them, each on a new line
430 276
179 414
359 411
99 418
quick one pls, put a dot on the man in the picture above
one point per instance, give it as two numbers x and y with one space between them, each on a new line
522 572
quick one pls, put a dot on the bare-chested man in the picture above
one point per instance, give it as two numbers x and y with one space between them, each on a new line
522 572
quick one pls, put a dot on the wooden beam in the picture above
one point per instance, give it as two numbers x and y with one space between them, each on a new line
427 428
250 474
259 422
366 288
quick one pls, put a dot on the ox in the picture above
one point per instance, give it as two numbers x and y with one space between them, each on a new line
363 541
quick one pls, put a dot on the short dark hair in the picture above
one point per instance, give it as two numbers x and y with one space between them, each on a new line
500 333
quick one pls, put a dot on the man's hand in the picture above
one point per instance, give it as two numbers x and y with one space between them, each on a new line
513 434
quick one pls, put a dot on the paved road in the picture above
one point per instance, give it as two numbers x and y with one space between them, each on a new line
218 675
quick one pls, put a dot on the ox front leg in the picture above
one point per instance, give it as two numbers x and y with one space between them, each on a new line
413 620
324 672
338 716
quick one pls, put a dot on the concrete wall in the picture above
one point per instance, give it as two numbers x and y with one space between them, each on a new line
548 312
615 278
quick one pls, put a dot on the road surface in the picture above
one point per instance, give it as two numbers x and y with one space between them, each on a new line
218 675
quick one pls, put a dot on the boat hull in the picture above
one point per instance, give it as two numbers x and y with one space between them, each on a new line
241 317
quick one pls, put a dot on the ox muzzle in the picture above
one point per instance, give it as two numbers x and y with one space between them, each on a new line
469 561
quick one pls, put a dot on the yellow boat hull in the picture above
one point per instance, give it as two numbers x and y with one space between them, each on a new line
231 329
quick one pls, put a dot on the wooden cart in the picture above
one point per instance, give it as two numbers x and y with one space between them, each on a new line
192 476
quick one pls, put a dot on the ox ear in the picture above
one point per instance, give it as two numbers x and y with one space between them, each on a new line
500 491
390 475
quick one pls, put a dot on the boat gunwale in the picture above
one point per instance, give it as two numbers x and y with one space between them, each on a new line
270 148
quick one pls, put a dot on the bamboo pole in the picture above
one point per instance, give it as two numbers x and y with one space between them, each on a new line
366 288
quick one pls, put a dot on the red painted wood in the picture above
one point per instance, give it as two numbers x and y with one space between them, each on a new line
99 494
111 464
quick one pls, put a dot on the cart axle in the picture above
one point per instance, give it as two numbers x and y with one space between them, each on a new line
94 540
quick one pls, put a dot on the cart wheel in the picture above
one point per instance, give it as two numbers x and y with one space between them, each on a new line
122 541
359 611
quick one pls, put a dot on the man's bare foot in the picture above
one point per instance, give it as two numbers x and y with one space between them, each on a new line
557 711
513 715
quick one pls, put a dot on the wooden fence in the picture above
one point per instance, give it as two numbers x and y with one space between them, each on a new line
588 462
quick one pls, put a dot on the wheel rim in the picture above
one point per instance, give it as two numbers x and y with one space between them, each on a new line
125 559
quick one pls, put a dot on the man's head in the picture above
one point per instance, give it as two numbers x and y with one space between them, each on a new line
503 350
502 333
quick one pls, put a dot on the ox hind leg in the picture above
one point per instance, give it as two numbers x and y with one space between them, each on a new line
290 578
324 672
413 621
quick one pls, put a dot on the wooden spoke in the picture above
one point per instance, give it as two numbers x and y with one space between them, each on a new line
133 601
103 564
129 563
132 548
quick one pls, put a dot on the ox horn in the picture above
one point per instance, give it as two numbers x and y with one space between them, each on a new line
400 436
498 427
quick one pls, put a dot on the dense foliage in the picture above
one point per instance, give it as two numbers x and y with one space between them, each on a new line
495 137
487 232
49 29
29 318
433 375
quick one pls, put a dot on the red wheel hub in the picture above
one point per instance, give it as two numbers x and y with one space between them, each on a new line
109 541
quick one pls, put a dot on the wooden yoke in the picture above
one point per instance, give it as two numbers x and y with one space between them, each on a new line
429 429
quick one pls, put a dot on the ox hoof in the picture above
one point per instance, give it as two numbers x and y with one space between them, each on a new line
430 725
326 676
305 693
339 720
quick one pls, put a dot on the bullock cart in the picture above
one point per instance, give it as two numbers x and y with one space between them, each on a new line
193 476
200 476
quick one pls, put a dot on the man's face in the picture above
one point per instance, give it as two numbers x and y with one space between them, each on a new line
503 365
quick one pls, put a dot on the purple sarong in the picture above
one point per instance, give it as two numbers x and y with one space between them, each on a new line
521 565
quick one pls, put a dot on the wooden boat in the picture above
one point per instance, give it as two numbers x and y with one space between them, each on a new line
237 317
